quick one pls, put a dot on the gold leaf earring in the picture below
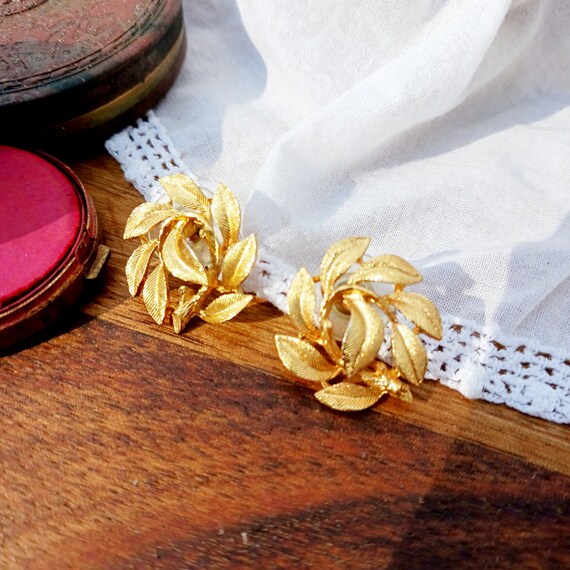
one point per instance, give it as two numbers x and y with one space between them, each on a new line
338 345
192 243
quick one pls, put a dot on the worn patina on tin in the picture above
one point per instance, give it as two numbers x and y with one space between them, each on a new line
68 66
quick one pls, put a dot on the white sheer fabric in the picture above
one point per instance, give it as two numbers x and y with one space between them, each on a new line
439 128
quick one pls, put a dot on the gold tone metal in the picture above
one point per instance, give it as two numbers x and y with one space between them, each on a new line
101 257
195 240
345 362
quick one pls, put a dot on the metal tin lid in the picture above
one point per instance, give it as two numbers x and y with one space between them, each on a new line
71 65
48 241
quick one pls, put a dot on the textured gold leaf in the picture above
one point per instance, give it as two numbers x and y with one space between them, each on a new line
155 294
137 265
364 334
188 307
180 260
184 191
339 258
238 261
409 354
386 269
389 385
418 309
400 390
304 360
225 307
302 301
347 397
226 211
144 217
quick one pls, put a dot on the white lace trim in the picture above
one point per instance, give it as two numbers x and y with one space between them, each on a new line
478 361
146 153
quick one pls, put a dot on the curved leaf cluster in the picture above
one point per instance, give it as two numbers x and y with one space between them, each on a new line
346 361
200 263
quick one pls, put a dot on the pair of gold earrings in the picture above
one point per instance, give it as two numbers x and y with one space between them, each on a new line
343 323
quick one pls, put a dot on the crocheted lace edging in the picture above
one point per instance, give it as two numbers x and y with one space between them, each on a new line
476 360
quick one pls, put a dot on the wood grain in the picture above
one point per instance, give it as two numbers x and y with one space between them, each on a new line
126 446
162 455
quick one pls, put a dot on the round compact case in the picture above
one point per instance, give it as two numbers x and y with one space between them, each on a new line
48 242
68 66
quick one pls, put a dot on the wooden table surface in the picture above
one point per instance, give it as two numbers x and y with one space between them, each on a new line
127 446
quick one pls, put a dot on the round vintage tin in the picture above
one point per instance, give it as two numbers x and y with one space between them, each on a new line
67 66
48 241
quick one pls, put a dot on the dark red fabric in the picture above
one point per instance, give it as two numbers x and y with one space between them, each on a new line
39 220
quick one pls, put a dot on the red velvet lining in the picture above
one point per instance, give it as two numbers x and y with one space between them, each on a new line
40 214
